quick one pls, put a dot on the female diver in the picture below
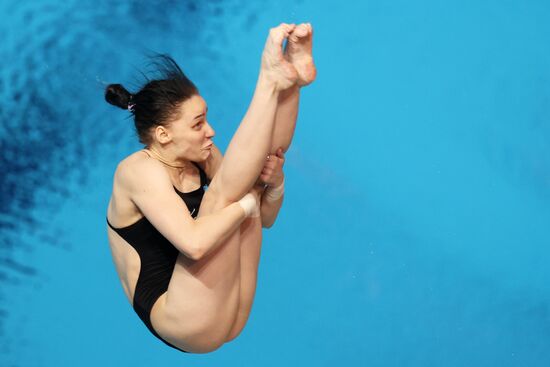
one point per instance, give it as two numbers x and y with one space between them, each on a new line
188 258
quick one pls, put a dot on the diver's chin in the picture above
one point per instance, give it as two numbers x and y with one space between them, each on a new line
205 154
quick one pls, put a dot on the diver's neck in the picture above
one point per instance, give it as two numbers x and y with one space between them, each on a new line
168 158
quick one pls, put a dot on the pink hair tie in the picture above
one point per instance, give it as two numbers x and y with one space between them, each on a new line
131 107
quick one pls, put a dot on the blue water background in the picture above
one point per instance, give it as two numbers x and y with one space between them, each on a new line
415 225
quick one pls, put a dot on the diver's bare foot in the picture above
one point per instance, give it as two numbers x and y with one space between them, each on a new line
275 67
299 52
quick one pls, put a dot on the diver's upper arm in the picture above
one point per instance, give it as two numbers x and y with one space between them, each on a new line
151 191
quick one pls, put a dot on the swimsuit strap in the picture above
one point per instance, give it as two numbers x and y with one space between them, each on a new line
204 179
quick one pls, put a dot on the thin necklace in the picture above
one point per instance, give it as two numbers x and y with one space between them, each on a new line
159 157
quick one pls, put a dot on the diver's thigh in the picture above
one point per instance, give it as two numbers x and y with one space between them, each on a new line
203 295
251 243
212 200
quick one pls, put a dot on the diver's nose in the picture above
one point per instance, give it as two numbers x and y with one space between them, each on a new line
210 132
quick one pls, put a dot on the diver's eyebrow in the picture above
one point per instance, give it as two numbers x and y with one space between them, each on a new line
201 115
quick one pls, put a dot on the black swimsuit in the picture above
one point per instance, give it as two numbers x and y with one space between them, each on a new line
157 255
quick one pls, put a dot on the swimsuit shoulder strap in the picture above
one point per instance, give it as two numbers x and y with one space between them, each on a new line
204 179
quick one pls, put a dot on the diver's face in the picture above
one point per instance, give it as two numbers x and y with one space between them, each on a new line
191 133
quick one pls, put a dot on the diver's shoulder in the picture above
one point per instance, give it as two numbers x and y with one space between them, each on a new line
135 167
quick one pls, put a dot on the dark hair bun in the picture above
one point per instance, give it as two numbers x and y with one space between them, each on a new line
117 95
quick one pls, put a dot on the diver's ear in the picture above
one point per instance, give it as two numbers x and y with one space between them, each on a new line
162 134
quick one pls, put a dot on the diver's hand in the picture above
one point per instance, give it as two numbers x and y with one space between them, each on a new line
272 173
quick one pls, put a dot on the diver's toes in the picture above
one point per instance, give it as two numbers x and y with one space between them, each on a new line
301 31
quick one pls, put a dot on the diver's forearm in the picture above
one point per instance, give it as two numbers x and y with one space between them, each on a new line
211 230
